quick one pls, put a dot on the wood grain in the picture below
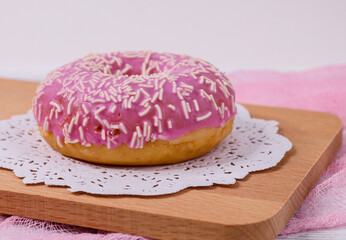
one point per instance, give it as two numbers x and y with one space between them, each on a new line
257 207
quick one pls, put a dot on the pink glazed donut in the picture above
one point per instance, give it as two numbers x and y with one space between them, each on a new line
135 108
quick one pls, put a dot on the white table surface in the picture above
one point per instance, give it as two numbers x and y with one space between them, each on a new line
38 36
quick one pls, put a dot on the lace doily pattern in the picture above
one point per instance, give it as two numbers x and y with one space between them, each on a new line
253 145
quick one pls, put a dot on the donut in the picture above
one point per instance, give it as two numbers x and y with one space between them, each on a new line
135 108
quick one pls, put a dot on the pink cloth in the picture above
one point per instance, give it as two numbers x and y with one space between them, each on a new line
322 89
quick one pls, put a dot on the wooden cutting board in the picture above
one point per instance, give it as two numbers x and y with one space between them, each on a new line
257 207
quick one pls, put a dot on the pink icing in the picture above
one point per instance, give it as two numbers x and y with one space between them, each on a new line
132 98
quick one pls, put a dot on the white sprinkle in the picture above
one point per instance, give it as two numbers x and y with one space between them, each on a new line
138 143
45 124
174 87
69 90
81 133
113 109
144 92
205 116
61 92
157 66
82 85
53 104
147 72
73 141
107 96
179 95
96 93
103 134
129 102
189 87
92 84
159 112
117 73
139 132
119 98
141 114
85 109
146 85
171 107
122 127
188 107
201 79
79 89
145 101
161 94
162 83
85 121
56 113
156 83
156 121
114 126
127 68
141 145
113 99
223 89
233 104
169 123
66 135
186 114
101 84
106 123
97 101
160 127
213 86
196 105
77 118
137 96
99 119
118 60
156 95
204 94
145 128
71 125
146 60
134 137
100 110
51 114
112 91
59 141
148 133
213 101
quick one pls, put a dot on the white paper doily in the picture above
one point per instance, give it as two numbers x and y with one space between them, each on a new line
253 145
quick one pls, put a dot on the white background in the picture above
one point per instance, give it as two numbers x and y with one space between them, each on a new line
37 36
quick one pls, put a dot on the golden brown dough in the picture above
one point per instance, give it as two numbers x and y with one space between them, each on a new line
189 146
